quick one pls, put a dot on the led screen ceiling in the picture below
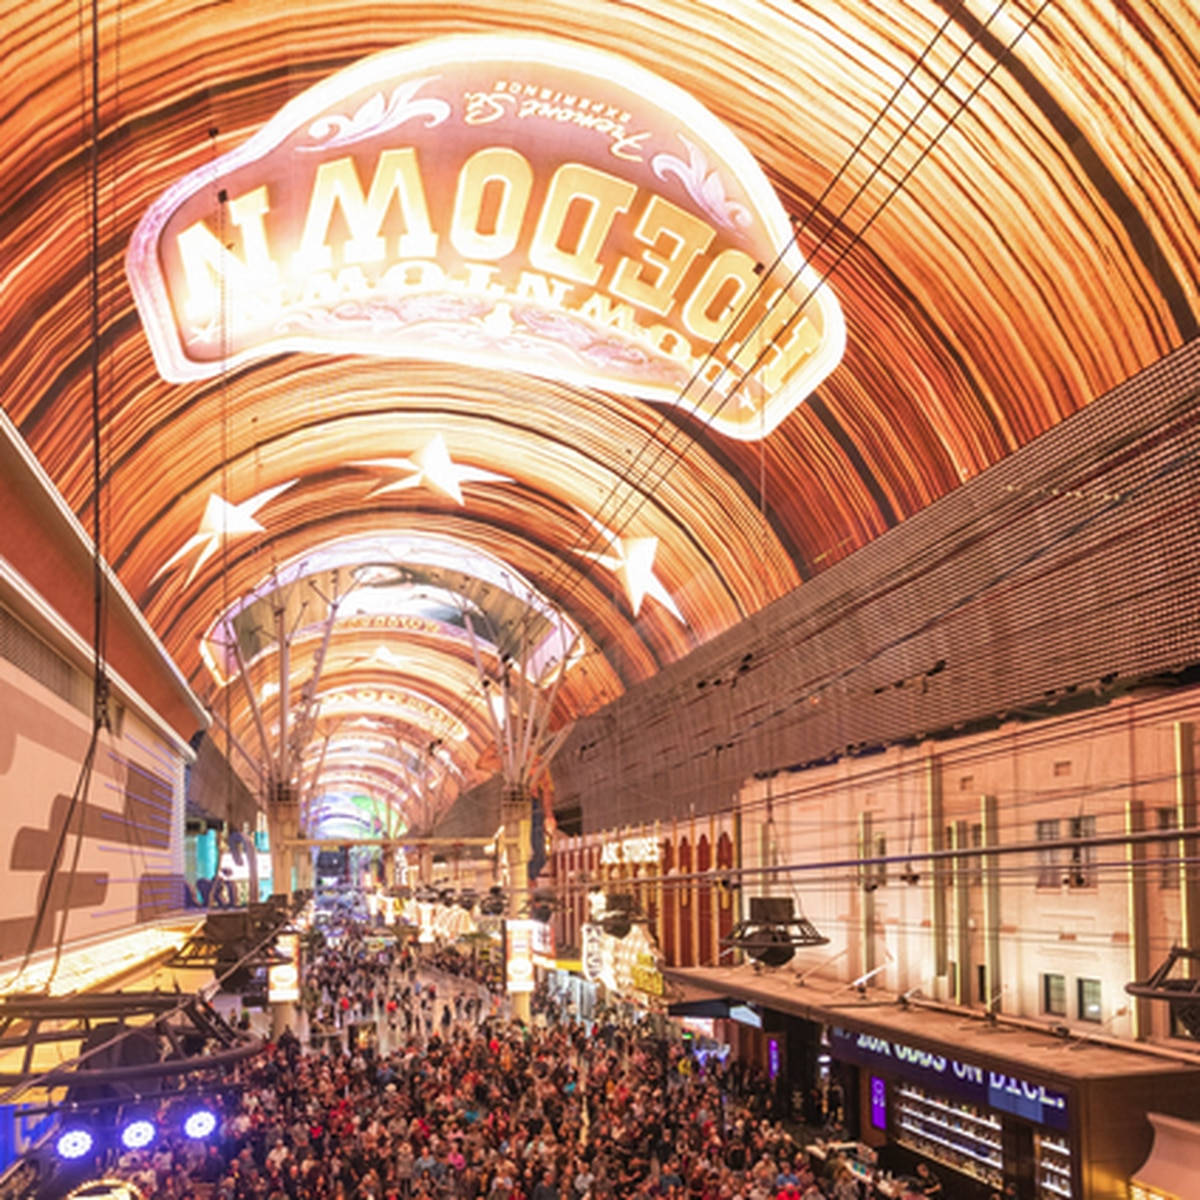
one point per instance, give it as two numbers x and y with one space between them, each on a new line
1000 196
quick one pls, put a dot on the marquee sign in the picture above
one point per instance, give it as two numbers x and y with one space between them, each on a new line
957 1077
504 202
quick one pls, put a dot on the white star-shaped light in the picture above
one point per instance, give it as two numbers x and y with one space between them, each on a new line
221 519
384 657
432 467
632 561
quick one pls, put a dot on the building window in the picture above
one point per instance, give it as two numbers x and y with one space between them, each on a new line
1054 995
1168 819
1048 874
1089 999
981 983
1082 873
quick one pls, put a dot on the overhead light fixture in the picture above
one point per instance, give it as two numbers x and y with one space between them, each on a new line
620 912
199 1123
74 1142
773 933
137 1132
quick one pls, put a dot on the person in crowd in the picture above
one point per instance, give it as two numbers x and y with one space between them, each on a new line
928 1183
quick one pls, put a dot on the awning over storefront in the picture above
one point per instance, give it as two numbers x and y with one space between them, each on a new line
1172 1170
700 1008
1006 1047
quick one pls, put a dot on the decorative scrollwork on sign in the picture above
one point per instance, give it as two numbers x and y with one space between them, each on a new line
705 187
376 116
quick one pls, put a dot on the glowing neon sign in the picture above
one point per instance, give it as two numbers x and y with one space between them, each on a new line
505 202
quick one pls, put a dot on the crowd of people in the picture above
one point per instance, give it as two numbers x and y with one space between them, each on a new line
457 1102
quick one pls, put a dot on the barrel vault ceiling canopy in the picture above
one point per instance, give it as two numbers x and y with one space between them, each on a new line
486 337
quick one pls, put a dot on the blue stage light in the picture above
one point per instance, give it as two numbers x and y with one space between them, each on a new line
137 1133
74 1142
200 1123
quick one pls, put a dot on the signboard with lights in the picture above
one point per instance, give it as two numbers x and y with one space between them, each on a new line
627 965
519 958
283 979
107 1189
519 203
956 1077
630 850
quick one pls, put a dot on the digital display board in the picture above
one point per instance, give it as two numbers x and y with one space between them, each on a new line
503 202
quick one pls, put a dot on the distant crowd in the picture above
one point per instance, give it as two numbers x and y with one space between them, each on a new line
459 1103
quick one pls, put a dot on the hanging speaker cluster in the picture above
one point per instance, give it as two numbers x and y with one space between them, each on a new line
621 913
1180 992
773 933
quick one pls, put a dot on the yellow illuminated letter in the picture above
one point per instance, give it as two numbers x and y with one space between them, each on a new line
208 266
496 165
651 282
602 196
717 296
337 183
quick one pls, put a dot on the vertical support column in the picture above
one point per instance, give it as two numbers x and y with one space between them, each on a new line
866 894
677 903
693 886
285 694
660 917
514 813
960 983
935 840
1139 933
283 816
739 906
990 876
715 893
1189 847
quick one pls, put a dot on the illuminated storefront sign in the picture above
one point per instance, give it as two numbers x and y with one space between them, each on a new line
519 957
506 202
627 965
631 850
107 1189
283 979
995 1089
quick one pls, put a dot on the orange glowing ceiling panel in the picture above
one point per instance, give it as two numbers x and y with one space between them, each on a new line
1002 198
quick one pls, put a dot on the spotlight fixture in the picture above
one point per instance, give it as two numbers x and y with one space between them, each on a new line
542 904
73 1142
199 1123
773 933
137 1133
620 912
493 904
